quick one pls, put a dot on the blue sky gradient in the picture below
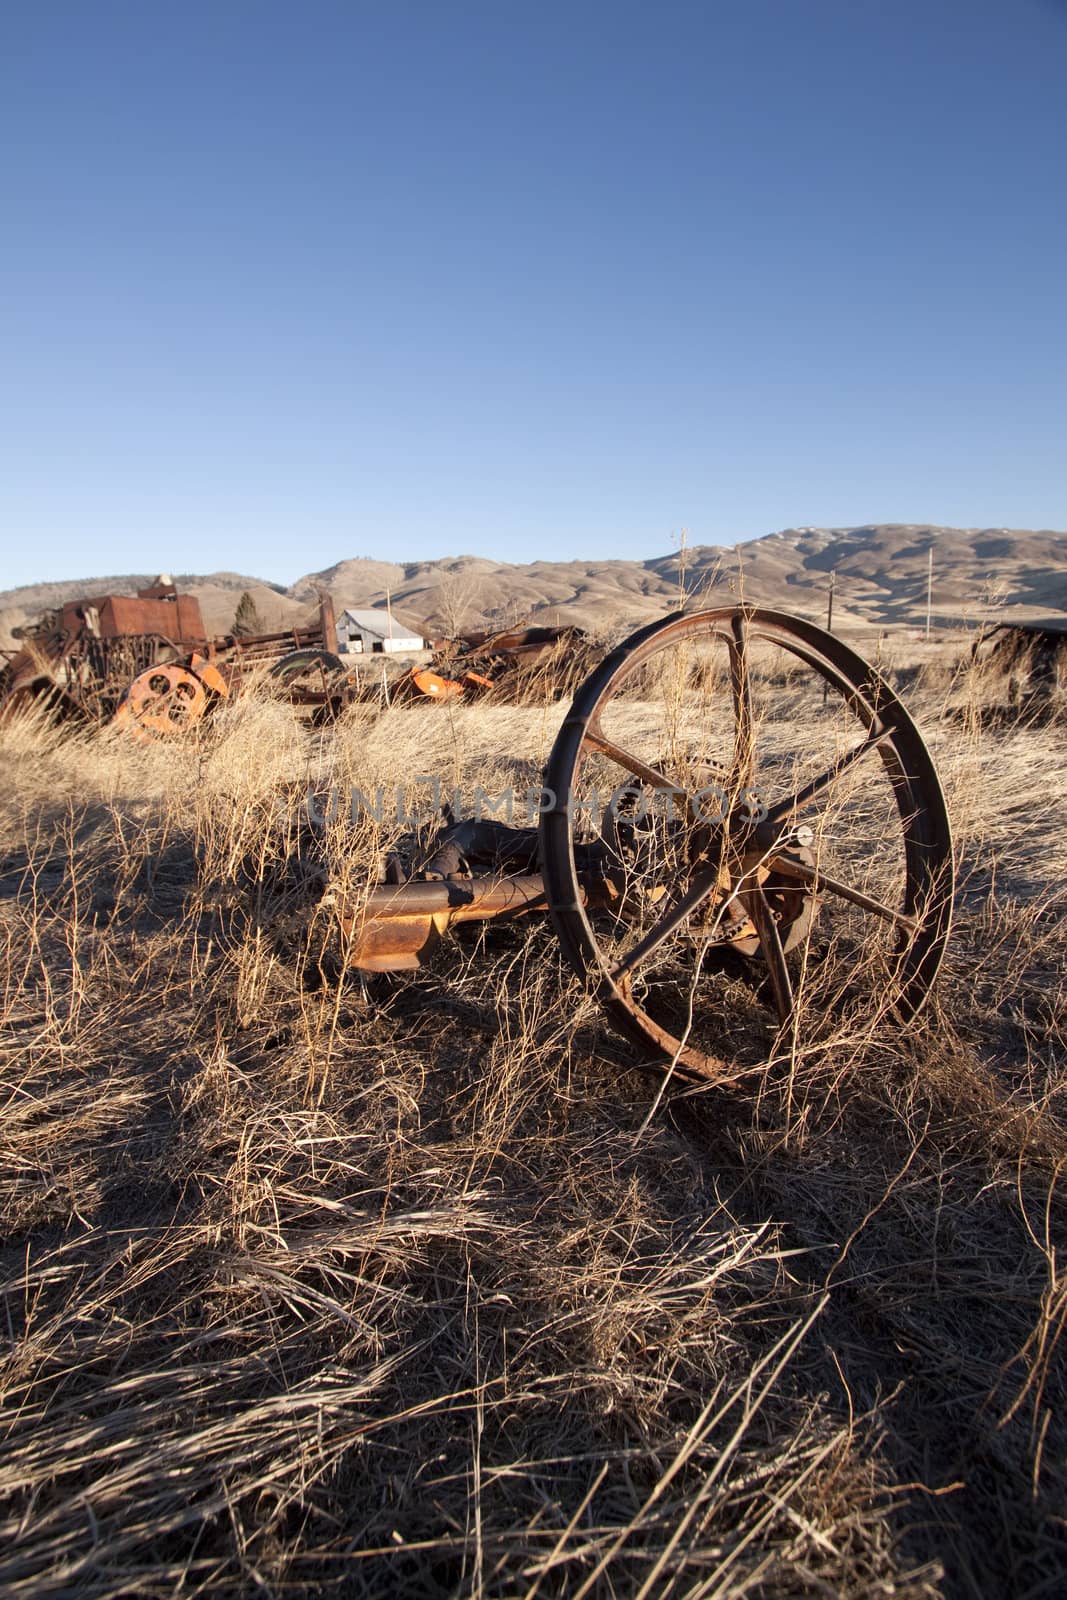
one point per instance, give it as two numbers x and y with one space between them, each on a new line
282 284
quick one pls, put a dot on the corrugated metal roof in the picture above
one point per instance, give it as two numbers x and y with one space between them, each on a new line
386 626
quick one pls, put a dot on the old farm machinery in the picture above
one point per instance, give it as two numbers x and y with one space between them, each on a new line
146 663
1025 665
299 663
515 664
77 660
742 846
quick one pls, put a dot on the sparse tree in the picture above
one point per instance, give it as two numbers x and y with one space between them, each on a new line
246 619
455 602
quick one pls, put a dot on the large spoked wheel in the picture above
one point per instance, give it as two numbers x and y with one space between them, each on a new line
749 853
162 701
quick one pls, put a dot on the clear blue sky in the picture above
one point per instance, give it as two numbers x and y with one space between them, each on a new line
282 283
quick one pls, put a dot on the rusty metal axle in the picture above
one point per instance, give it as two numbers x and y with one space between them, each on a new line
398 925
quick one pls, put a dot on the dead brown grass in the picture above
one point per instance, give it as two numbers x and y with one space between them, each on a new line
311 1289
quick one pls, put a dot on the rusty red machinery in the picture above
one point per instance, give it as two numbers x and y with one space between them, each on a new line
514 664
742 846
301 663
78 659
146 662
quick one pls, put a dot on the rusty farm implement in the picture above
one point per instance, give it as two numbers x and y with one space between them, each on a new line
742 846
146 663
520 664
299 663
77 661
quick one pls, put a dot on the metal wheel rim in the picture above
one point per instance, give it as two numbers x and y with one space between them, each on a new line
920 804
165 699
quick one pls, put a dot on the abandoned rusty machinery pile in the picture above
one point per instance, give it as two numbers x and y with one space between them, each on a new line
146 663
301 663
515 664
744 849
78 660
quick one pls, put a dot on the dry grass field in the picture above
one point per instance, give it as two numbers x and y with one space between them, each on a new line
314 1286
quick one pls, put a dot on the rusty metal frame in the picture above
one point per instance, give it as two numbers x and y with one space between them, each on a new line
399 924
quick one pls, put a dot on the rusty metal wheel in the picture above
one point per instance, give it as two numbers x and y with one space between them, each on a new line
312 680
162 701
773 836
311 666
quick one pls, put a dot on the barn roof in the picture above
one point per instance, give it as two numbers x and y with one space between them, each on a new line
371 619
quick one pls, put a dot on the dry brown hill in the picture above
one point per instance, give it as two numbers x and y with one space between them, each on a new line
881 580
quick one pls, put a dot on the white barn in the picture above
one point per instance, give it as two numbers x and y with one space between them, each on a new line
374 629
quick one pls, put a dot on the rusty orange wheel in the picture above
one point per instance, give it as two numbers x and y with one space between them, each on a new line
162 701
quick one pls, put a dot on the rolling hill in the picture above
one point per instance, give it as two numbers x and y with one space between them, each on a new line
881 580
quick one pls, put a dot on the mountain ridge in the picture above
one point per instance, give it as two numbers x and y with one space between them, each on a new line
880 579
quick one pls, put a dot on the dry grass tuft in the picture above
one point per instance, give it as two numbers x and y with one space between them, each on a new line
399 1290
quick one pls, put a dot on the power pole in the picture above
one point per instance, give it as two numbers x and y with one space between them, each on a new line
929 587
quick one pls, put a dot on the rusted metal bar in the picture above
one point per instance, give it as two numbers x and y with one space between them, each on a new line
397 925
463 899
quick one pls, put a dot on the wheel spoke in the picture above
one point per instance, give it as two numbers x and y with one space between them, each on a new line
821 880
744 751
702 885
803 797
626 759
654 776
756 904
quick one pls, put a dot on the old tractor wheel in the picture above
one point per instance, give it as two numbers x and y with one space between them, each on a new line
162 701
311 680
773 837
313 666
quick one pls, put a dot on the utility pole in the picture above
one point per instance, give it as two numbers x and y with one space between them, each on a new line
929 587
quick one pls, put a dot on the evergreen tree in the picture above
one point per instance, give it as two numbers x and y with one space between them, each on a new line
246 619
